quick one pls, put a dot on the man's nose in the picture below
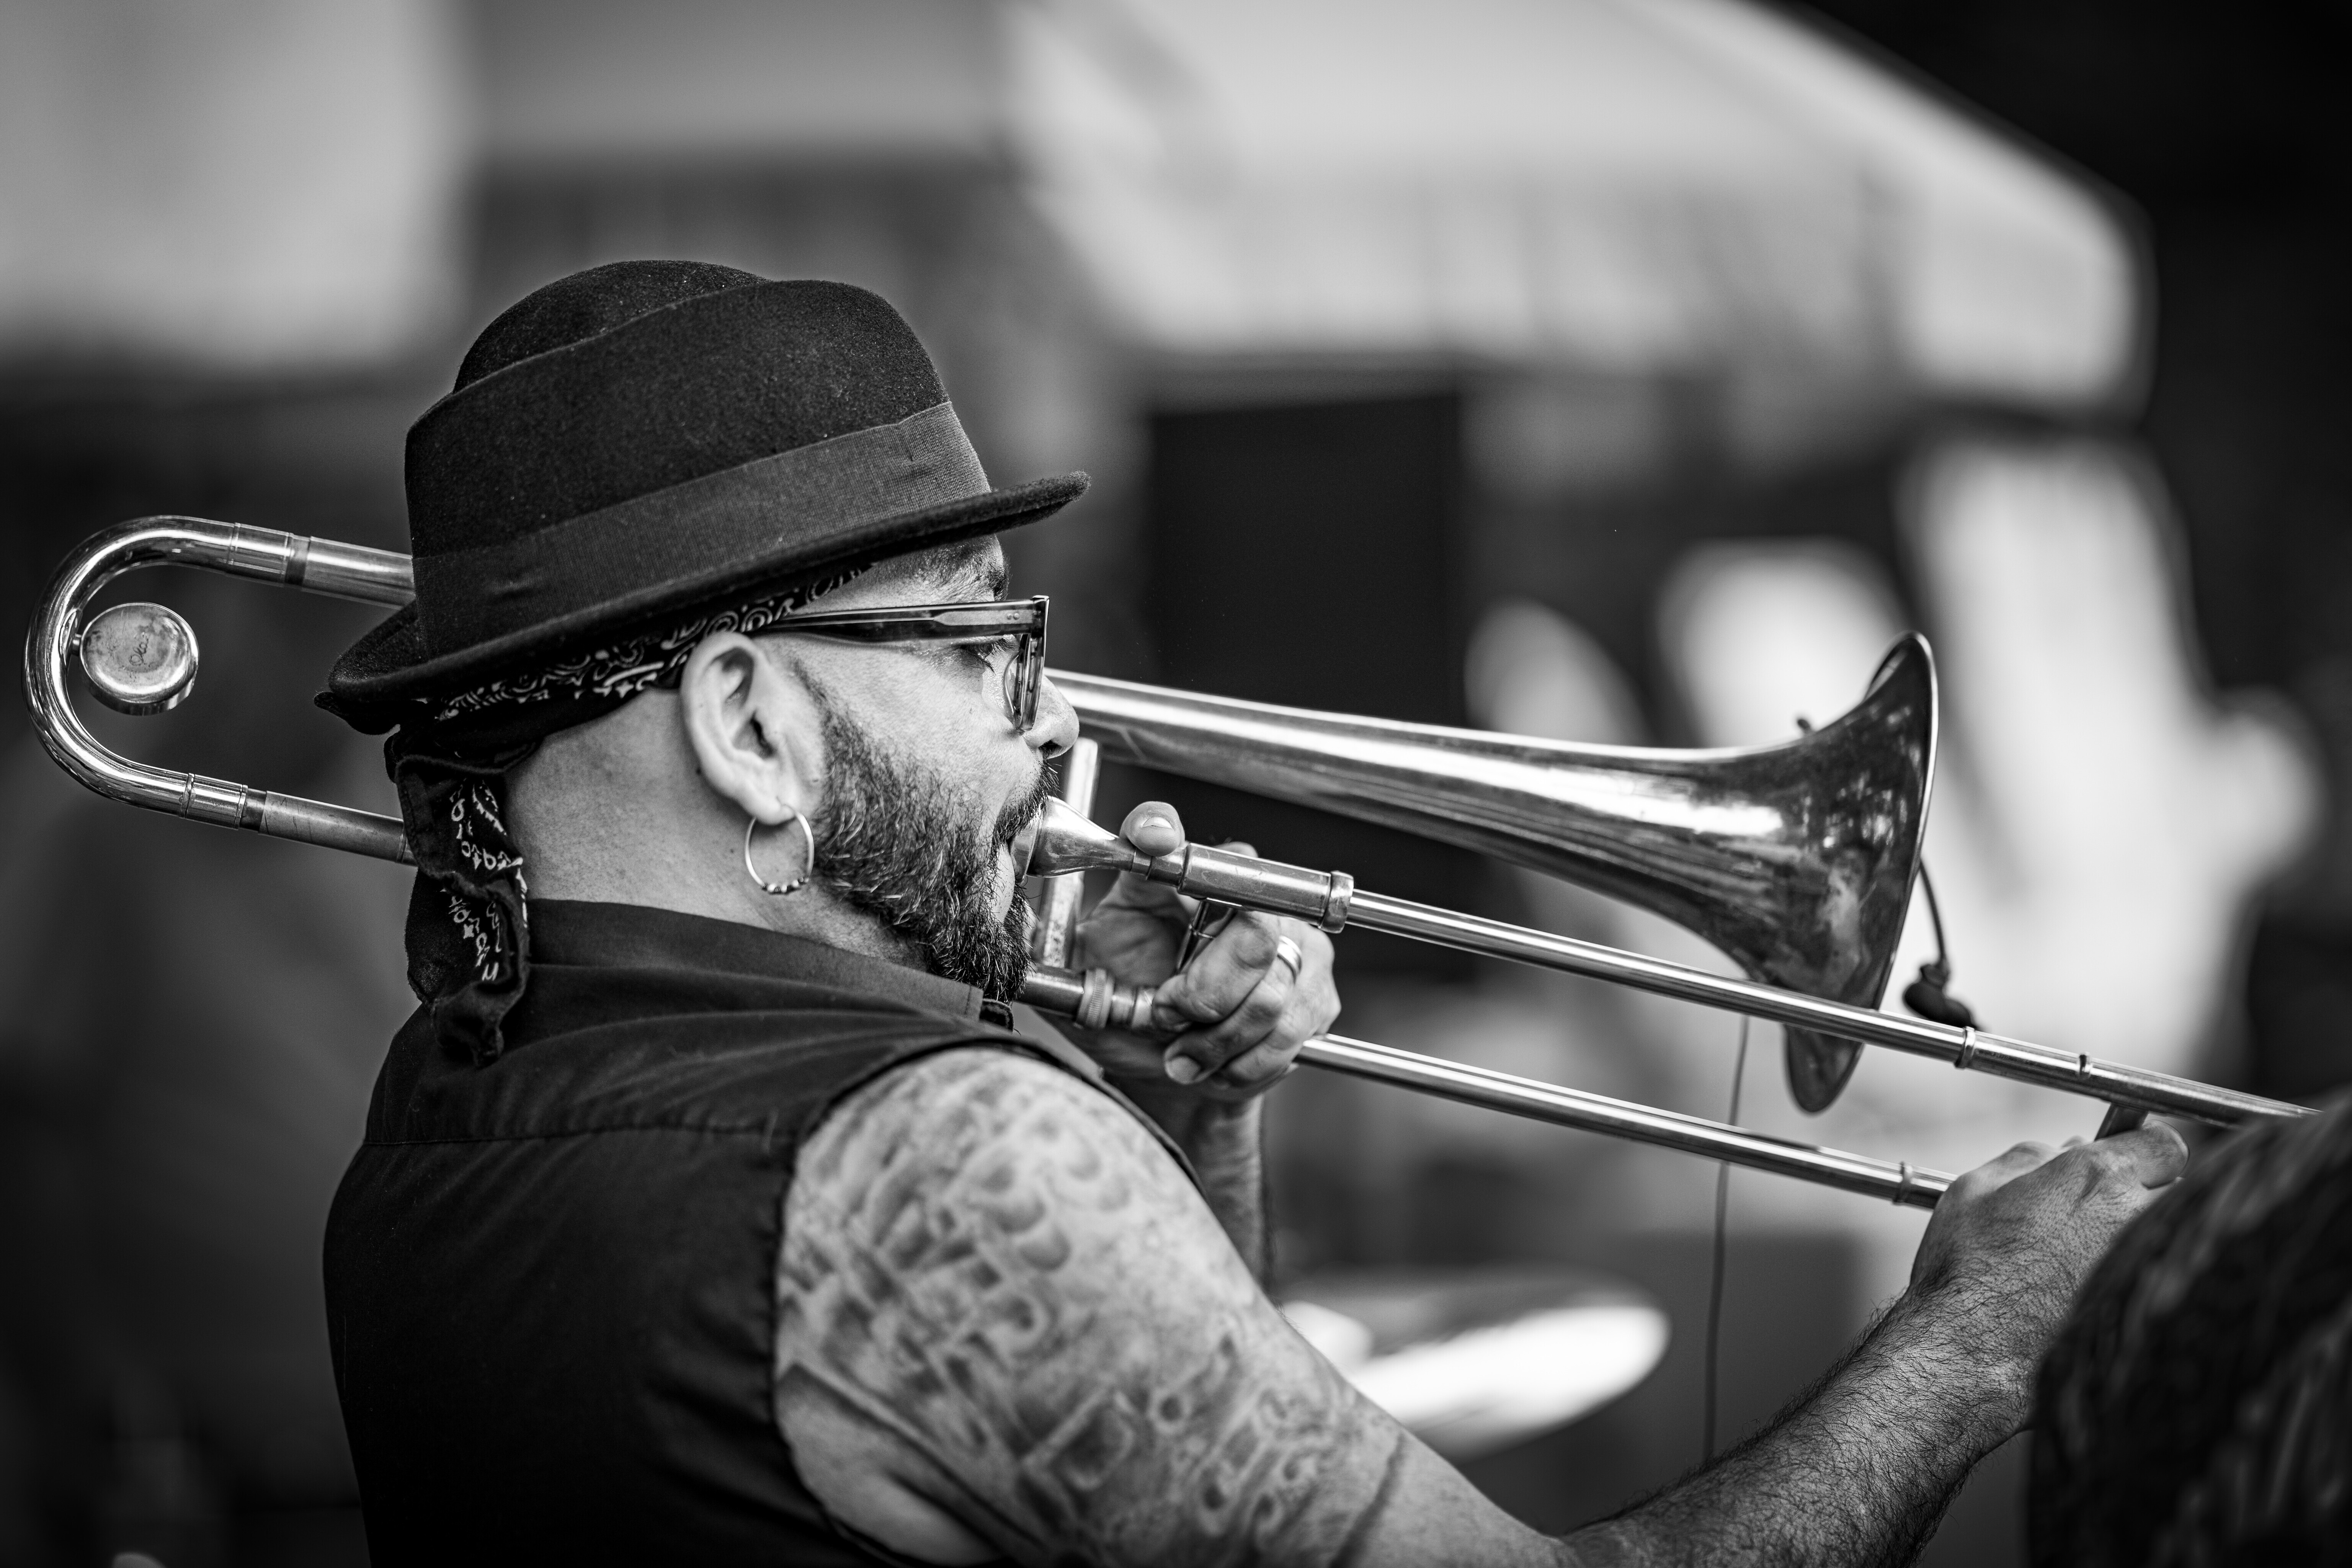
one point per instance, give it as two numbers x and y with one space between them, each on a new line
1056 729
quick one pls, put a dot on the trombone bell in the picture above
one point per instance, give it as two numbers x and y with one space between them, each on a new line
1795 859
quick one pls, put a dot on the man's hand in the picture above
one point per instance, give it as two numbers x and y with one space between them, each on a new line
1237 1013
1861 1468
2009 1244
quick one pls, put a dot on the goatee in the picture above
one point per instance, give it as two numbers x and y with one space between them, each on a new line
895 840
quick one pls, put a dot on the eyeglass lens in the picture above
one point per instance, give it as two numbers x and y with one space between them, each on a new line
1020 680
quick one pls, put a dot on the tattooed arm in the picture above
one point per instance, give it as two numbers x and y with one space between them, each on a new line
1006 1324
1225 1140
1228 1025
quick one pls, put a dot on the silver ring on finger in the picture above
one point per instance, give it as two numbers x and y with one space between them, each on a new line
1287 950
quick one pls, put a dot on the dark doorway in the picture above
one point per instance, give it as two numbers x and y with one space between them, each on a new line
1311 556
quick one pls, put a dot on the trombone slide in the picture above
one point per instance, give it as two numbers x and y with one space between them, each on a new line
1066 841
1094 1001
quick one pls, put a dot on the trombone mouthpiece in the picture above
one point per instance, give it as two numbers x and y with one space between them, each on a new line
1063 841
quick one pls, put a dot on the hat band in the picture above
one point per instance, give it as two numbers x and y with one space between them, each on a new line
695 529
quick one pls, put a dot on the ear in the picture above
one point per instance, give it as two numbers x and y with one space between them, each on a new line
753 728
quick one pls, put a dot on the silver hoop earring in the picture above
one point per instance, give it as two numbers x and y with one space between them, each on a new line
808 867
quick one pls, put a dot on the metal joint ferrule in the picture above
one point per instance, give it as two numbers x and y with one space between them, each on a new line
1132 1007
265 552
220 802
1094 1000
1335 909
1104 1004
2024 1060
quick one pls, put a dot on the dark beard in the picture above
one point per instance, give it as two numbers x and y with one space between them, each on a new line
895 840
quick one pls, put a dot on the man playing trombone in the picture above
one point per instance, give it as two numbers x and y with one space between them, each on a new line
714 1206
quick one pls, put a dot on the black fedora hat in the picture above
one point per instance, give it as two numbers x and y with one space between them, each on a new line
646 438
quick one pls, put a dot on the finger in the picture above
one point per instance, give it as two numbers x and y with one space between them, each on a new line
2120 1173
2003 1168
1222 977
1134 890
1225 972
2019 1158
1303 1001
2156 1152
1313 1006
1258 1069
1246 1057
1201 1052
1154 828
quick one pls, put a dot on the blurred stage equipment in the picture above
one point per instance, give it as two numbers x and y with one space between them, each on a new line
1474 1360
1726 840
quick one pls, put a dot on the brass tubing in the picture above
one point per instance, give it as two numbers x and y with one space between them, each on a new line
1066 842
1961 1047
354 572
1894 1182
1091 998
348 571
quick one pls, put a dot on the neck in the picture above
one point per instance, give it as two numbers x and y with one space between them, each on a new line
668 846
813 913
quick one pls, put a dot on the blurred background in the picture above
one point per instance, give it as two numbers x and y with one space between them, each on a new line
1623 370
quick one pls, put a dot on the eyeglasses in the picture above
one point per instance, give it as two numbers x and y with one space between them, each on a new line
1013 631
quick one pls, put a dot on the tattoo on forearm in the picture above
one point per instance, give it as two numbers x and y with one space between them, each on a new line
995 1265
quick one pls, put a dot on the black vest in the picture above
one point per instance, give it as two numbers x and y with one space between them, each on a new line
550 1279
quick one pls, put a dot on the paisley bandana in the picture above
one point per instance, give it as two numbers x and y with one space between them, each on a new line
469 913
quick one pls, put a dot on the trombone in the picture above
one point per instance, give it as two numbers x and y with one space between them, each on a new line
1795 859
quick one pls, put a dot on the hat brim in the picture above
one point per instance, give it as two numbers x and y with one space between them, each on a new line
380 676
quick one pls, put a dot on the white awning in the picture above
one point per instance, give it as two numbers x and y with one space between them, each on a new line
234 184
1639 185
